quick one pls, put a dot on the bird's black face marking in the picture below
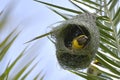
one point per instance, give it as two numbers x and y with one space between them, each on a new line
82 40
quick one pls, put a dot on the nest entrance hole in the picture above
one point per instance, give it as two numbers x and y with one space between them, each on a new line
72 31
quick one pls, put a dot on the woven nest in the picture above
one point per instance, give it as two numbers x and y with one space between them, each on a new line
83 24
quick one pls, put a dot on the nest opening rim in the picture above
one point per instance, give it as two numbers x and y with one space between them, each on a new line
72 31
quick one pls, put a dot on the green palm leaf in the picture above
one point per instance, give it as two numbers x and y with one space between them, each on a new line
108 18
18 75
5 46
59 7
82 2
63 16
109 50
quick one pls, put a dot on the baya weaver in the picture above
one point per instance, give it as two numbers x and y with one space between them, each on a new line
79 42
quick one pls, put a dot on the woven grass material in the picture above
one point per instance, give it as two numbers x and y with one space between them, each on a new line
83 24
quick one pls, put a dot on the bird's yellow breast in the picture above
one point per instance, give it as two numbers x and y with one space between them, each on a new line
75 44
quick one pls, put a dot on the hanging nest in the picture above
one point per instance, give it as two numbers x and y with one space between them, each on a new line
69 58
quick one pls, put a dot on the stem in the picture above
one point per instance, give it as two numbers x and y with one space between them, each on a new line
107 12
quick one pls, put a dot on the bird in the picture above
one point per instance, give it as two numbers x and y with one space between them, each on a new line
79 42
92 70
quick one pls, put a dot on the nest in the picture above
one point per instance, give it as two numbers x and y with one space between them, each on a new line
83 24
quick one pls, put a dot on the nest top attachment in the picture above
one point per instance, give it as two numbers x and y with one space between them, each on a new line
76 41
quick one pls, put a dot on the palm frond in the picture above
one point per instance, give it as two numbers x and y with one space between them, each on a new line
87 76
107 35
91 2
18 75
59 7
84 10
27 74
64 16
6 44
102 26
9 68
109 50
41 36
110 67
106 41
116 18
84 3
113 4
60 14
37 76
4 14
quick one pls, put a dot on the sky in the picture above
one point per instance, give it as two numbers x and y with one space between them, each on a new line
33 19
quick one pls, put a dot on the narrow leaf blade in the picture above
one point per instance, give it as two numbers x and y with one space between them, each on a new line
41 36
60 14
6 48
59 7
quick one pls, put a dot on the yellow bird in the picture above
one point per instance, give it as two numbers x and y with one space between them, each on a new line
93 70
79 42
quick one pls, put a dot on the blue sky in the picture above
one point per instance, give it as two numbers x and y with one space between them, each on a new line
33 19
